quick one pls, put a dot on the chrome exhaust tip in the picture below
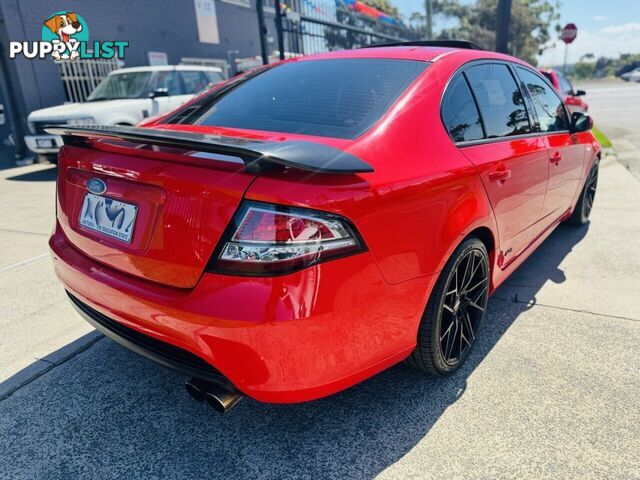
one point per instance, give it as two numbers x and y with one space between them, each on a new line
196 388
220 398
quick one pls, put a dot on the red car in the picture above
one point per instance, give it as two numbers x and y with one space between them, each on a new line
302 227
570 96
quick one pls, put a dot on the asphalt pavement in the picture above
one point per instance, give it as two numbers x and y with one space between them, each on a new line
550 391
615 108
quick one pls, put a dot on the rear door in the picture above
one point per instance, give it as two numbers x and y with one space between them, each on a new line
565 154
511 159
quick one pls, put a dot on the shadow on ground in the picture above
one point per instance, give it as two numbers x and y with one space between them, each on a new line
110 413
46 175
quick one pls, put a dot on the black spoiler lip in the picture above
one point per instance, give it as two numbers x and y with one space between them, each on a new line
257 155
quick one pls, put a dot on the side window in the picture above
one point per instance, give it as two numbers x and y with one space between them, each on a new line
500 100
459 112
565 84
549 108
194 81
168 80
214 77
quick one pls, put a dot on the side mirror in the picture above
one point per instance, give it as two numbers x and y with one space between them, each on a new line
579 93
159 92
581 122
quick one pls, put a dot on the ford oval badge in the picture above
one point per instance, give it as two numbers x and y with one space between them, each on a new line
97 186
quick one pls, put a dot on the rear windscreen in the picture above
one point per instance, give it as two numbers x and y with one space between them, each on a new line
331 98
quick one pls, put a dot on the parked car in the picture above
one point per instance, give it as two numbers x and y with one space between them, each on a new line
632 76
305 226
563 85
124 97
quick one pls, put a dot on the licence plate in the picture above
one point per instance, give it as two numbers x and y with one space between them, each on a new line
45 143
110 217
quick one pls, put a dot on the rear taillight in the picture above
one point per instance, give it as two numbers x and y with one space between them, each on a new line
267 239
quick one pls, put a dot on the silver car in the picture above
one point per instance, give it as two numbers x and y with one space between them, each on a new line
632 76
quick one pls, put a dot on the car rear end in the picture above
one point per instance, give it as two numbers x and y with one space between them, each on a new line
163 244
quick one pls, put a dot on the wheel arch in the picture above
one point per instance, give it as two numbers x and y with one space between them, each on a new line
487 237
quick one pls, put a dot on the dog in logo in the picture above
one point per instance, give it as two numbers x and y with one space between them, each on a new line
64 25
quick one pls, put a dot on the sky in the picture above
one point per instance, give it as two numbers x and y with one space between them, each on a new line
605 27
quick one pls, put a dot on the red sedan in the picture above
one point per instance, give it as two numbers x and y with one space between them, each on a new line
570 96
302 227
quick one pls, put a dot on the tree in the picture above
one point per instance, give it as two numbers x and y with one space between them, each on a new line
584 69
590 67
532 24
417 21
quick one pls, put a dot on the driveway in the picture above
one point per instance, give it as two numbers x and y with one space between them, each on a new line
551 390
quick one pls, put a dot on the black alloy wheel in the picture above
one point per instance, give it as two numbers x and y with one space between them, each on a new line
581 213
463 308
455 311
590 191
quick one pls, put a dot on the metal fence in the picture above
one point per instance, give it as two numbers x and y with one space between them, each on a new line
316 26
81 76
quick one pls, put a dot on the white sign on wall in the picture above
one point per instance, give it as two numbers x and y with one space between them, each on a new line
207 21
158 58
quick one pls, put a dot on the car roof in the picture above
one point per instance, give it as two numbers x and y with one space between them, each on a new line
165 68
419 53
411 52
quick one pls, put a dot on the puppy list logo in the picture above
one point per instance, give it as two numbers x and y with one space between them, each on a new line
65 36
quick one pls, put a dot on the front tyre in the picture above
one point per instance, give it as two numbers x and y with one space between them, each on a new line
455 311
581 213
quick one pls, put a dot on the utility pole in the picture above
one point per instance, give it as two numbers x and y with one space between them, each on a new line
278 21
502 30
263 32
429 19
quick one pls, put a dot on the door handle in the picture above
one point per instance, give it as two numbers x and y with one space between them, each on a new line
556 158
499 176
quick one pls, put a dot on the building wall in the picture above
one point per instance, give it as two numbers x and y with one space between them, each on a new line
162 26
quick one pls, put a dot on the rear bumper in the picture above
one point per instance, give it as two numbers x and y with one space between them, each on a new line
156 350
281 339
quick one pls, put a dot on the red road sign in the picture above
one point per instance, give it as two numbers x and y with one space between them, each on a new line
569 33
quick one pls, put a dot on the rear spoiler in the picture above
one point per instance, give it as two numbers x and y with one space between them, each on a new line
257 155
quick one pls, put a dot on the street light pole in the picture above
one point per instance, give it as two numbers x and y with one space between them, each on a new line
429 20
502 30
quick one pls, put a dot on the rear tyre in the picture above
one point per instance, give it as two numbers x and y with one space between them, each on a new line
455 311
581 213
